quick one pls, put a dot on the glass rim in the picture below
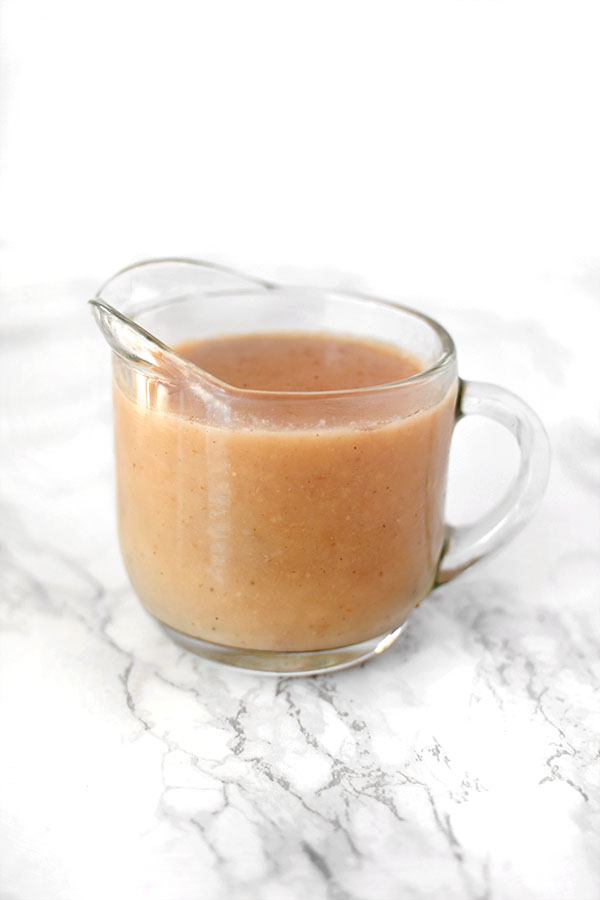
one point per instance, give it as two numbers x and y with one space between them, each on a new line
442 363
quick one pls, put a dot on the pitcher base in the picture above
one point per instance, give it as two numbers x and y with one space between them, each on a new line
292 664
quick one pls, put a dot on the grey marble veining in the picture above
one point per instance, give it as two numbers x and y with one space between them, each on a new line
462 763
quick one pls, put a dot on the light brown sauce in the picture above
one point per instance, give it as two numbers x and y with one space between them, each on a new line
299 362
280 538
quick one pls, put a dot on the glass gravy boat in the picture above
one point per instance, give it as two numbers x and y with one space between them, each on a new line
290 531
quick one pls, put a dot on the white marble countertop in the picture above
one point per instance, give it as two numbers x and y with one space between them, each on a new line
463 763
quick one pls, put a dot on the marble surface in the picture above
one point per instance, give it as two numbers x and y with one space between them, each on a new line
462 763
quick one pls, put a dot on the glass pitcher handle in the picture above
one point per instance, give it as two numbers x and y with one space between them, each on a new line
467 544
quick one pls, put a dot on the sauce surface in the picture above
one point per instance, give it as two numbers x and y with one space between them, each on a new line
299 362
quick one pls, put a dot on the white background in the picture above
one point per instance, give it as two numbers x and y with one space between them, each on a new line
426 149
442 153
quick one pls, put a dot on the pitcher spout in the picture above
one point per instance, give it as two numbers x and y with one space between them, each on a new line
135 306
132 343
